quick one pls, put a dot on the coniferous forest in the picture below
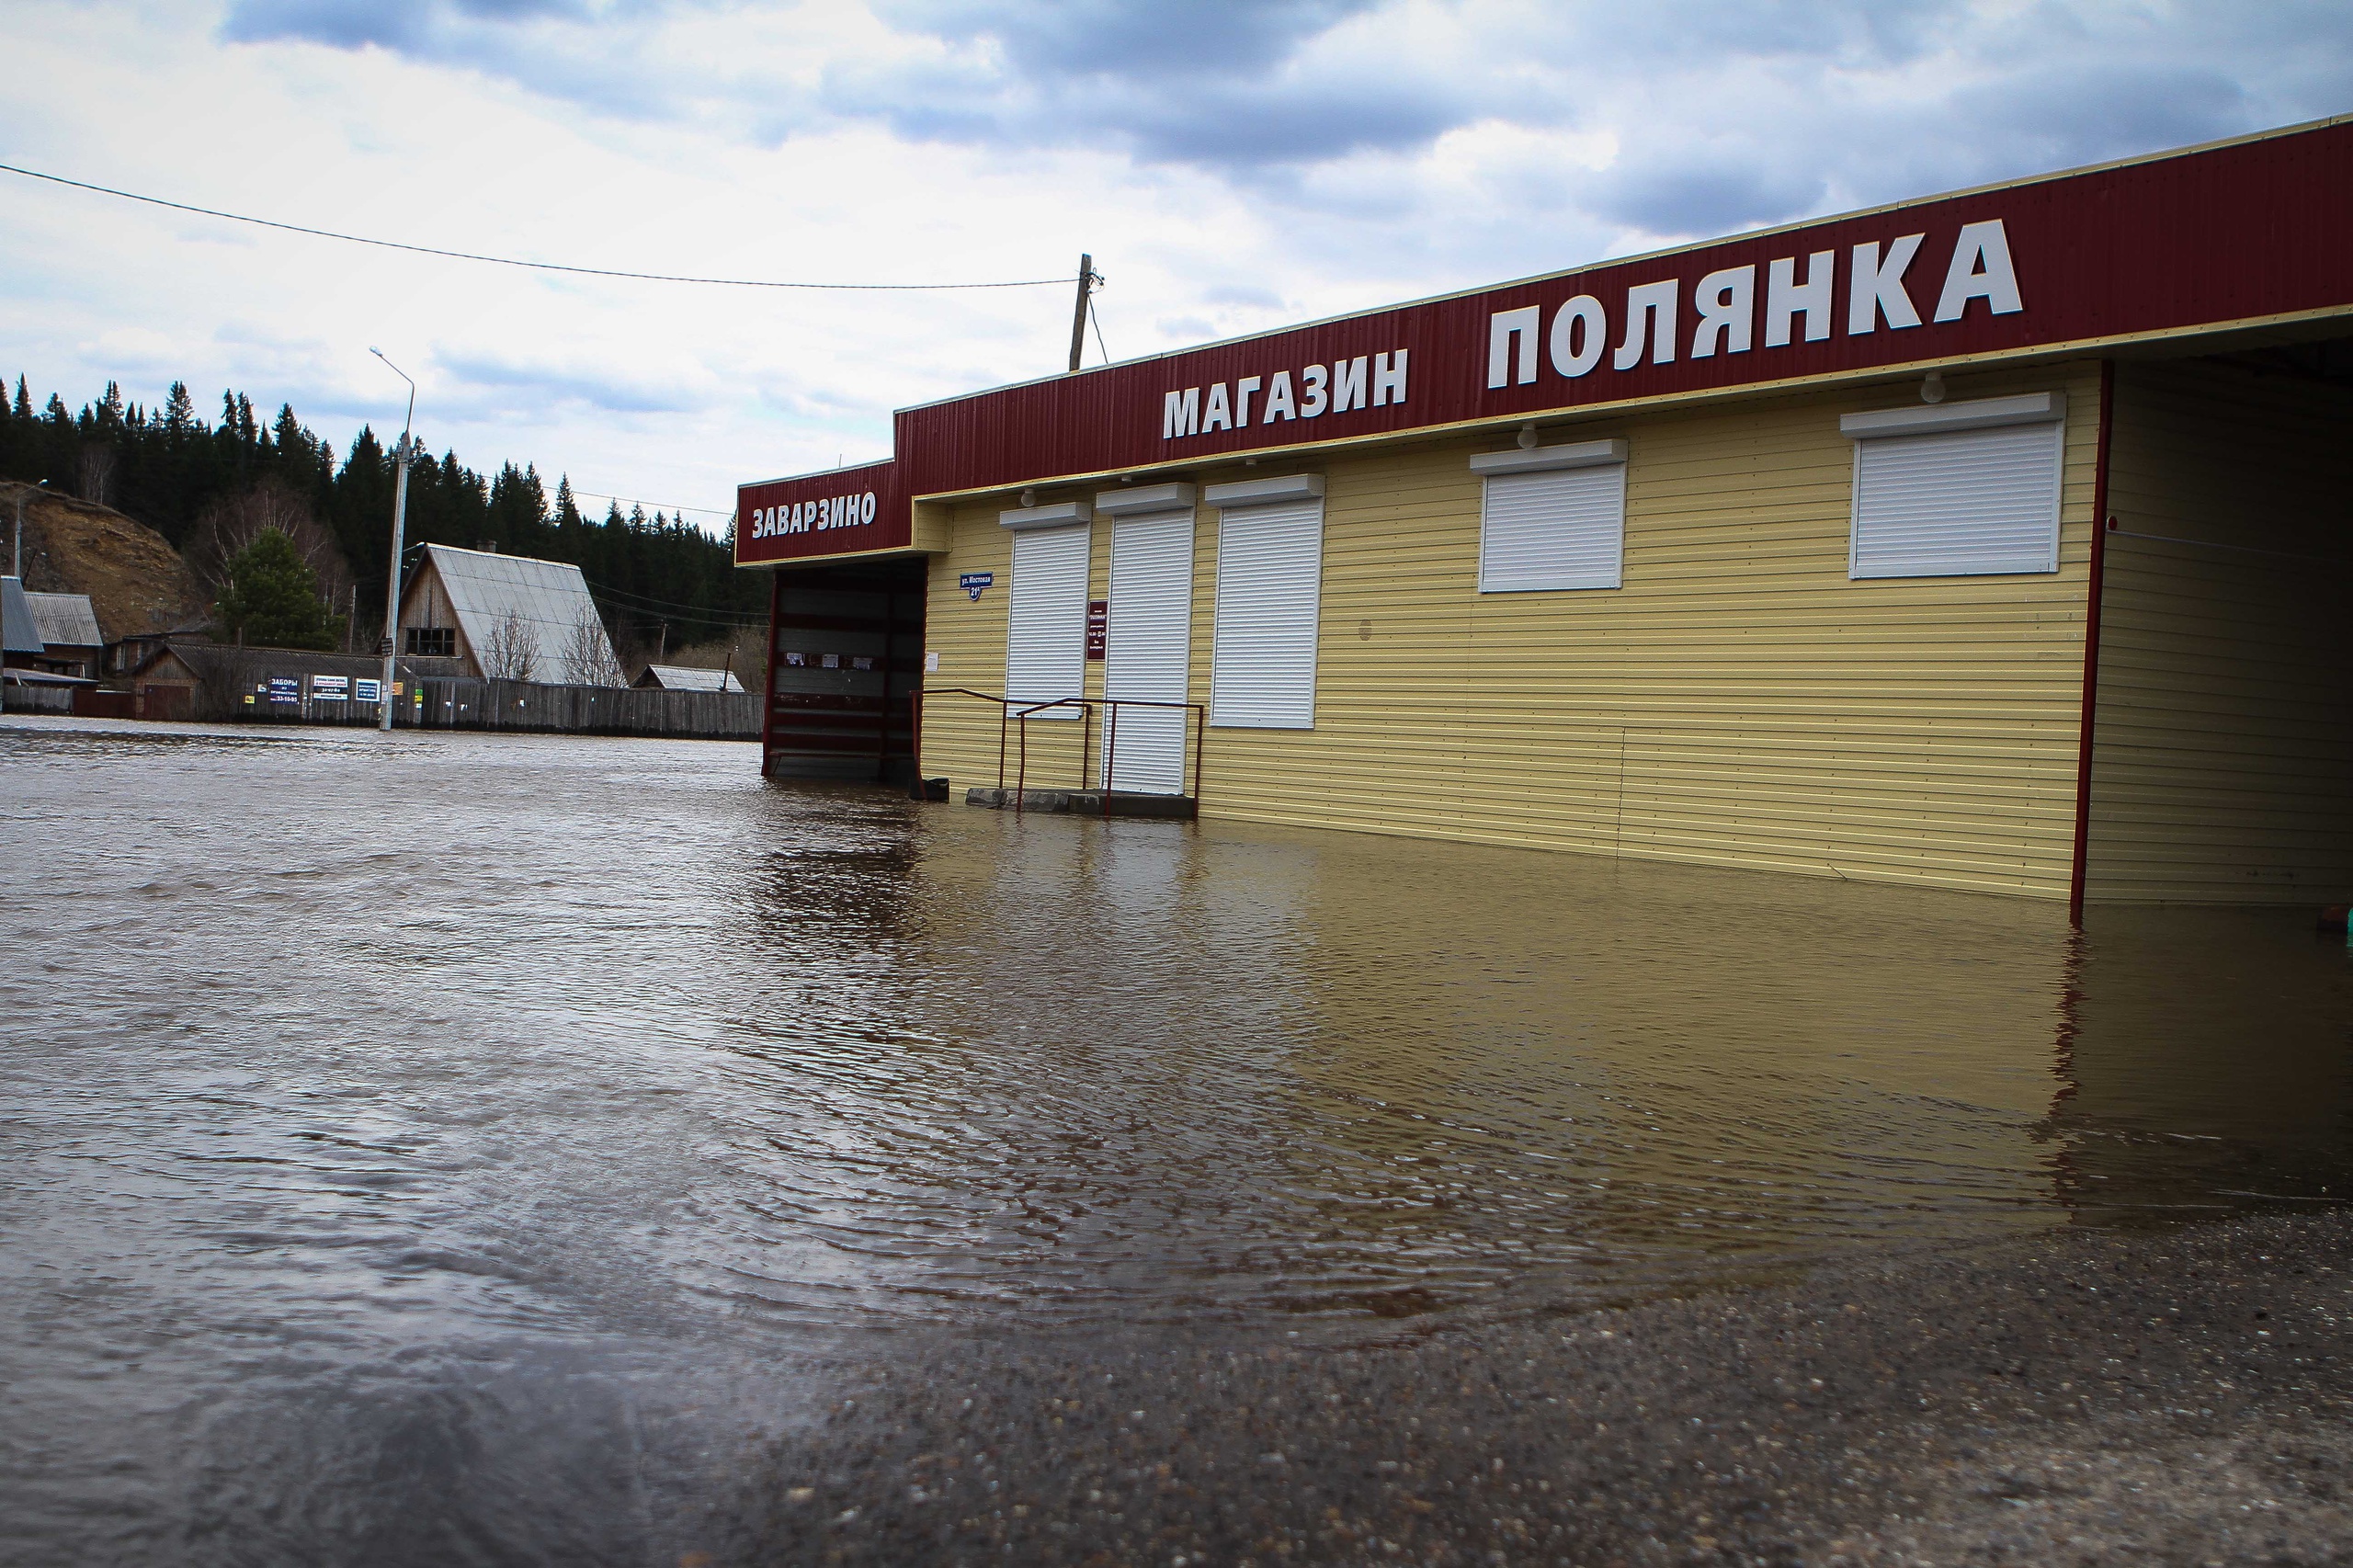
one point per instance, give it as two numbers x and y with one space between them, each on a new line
658 580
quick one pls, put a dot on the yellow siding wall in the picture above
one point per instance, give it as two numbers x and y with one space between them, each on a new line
1738 703
2222 744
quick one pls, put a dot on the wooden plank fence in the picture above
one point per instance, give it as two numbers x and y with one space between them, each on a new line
465 704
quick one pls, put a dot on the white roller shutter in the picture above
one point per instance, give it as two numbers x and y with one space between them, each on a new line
1147 650
1561 527
1045 655
1975 500
1270 580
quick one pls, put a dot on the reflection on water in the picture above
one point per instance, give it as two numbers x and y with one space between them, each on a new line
498 1109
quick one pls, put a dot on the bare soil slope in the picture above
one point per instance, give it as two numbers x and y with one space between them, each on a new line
136 582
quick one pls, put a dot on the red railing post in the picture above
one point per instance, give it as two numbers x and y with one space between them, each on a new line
1200 729
1110 758
914 734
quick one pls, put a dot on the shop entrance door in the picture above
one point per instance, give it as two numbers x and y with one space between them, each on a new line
1145 654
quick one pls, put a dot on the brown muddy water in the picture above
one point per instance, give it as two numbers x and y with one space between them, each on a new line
486 1128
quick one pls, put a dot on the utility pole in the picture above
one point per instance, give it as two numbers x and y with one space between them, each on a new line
1086 282
16 552
400 522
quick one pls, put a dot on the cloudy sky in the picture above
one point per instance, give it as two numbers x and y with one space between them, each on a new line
1232 166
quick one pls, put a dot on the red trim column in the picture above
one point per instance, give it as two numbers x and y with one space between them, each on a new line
768 666
2101 523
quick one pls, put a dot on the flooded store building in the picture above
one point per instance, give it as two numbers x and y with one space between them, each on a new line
1999 541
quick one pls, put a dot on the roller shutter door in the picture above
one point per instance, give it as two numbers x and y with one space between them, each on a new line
1147 651
1557 528
1957 503
1045 655
1270 578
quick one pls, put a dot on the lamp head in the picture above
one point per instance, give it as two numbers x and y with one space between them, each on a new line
1528 438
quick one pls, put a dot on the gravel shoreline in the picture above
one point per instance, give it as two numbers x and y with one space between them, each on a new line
2158 1396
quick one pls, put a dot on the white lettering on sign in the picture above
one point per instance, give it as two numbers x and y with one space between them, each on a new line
1648 305
1724 306
1786 297
1348 385
1583 315
1180 414
813 516
1368 381
1724 303
1980 269
1506 328
1875 288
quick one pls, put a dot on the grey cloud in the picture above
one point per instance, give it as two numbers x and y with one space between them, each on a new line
1123 39
352 24
1244 295
477 376
1242 116
1697 194
1727 113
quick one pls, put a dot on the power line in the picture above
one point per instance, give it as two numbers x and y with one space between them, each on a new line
510 261
649 603
1097 320
600 496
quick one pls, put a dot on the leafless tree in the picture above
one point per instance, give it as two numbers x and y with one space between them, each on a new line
589 654
511 651
234 521
96 475
224 679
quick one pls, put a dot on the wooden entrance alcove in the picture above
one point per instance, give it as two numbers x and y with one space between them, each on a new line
845 648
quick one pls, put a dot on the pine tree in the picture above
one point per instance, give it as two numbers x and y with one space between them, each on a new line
179 410
24 400
272 600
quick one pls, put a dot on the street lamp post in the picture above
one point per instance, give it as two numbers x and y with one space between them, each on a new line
400 521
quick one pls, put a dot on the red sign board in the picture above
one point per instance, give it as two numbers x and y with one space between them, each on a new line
841 512
1099 627
2245 233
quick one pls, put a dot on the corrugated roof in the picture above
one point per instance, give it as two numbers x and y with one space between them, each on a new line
550 599
221 659
19 633
686 677
66 621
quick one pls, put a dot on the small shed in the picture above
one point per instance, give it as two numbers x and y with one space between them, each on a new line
196 678
20 633
477 612
687 677
71 643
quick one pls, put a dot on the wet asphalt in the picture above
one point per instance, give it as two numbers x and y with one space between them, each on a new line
2179 1396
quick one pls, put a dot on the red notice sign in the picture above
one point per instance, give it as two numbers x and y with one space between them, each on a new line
1099 626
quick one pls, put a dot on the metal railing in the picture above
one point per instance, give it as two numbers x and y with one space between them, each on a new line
1013 721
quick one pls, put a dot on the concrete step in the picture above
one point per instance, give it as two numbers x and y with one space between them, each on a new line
1085 802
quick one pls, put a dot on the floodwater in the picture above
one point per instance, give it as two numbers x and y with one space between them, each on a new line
456 1148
